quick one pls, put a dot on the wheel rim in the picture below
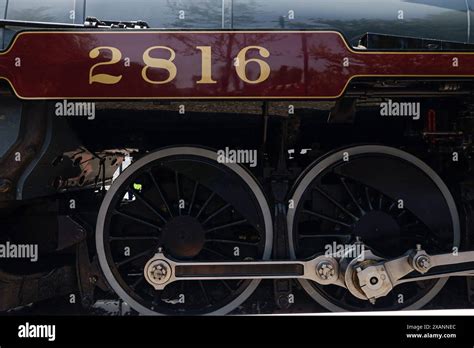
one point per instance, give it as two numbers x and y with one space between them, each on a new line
334 298
198 230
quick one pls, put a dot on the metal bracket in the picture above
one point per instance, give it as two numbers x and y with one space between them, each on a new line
88 275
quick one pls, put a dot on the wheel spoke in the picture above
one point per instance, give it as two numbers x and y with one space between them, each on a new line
156 299
134 238
227 286
152 177
204 292
136 219
336 203
235 223
220 210
181 286
367 196
214 252
196 184
325 217
417 237
401 214
138 281
133 258
411 225
178 193
341 236
392 206
228 241
149 206
380 201
349 192
205 204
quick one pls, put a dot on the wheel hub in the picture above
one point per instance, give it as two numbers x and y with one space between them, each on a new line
157 272
380 231
183 237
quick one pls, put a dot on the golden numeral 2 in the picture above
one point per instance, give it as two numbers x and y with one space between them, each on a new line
104 78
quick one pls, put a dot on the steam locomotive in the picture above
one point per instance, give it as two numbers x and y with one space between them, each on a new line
237 156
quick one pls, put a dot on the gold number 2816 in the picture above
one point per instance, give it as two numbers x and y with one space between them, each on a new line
170 67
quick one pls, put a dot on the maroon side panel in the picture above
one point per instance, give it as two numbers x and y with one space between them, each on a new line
59 65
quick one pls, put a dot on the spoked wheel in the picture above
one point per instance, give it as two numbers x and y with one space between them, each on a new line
181 200
385 196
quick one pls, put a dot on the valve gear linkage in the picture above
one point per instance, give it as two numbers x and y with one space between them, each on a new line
366 276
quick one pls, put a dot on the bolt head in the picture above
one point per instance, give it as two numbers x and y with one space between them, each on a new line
325 270
283 302
423 262
158 273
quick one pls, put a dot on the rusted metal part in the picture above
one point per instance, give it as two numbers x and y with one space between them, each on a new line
91 167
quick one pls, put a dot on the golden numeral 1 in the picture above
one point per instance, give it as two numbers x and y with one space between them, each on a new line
206 65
